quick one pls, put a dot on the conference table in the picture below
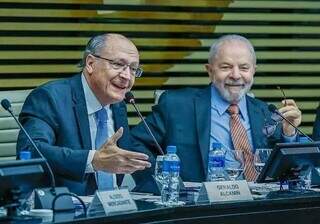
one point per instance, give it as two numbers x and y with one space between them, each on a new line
299 209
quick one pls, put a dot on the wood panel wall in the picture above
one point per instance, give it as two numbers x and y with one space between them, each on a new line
41 40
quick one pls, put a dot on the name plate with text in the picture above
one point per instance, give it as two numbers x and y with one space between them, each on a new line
224 191
111 202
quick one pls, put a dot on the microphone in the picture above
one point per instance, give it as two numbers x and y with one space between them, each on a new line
44 201
7 106
129 98
273 109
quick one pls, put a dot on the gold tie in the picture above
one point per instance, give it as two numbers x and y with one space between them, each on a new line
241 142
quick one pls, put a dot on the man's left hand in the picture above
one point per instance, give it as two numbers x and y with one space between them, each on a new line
293 114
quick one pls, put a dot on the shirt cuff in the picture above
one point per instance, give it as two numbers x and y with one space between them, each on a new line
289 139
89 167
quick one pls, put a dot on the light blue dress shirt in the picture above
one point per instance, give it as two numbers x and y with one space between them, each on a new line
220 129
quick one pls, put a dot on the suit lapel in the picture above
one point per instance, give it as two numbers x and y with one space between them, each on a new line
120 120
202 112
256 118
81 112
119 113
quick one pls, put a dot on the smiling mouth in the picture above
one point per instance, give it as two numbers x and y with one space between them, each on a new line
234 85
119 86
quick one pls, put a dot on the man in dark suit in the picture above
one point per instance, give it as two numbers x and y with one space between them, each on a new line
80 123
192 119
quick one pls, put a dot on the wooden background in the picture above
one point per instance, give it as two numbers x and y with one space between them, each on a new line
42 40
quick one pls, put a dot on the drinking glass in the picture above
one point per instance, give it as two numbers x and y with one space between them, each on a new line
260 158
307 179
304 181
158 169
234 164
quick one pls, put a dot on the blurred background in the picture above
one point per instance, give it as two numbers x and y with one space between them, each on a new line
42 40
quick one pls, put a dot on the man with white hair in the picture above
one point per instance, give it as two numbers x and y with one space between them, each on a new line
192 119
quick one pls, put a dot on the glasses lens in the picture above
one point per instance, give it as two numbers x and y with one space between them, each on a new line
269 130
275 117
118 65
138 72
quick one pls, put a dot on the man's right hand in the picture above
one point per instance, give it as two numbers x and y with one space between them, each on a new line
113 159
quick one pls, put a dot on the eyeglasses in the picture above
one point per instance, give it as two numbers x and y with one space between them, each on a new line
271 127
118 65
284 95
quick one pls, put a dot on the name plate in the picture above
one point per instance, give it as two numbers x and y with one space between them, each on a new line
111 202
224 191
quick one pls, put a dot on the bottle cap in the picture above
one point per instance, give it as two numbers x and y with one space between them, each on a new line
171 149
216 145
25 155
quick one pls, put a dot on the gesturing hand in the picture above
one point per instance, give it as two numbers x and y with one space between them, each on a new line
113 159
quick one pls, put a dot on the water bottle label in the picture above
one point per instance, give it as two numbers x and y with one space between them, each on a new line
216 161
175 166
166 166
25 155
171 166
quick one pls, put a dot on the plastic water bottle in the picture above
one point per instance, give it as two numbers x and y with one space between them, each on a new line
29 202
216 162
170 175
25 155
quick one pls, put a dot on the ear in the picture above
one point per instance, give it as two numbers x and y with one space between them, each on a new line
210 71
90 61
255 68
208 68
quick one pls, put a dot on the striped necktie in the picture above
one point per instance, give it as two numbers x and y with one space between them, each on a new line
241 142
104 179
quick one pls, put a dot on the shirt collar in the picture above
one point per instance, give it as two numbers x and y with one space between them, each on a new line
93 104
221 105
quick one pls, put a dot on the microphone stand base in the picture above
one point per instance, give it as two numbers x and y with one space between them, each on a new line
44 197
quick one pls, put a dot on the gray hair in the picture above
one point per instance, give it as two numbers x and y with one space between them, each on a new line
94 46
215 47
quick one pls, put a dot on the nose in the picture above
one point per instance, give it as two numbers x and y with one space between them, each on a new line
235 73
126 73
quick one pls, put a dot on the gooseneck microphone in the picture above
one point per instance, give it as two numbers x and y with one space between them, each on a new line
273 109
129 98
44 197
7 106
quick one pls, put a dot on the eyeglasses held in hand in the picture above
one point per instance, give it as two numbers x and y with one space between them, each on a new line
270 128
284 95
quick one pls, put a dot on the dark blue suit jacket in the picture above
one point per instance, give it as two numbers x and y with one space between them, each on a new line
182 118
55 115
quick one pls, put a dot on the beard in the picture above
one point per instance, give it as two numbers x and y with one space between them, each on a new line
233 97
